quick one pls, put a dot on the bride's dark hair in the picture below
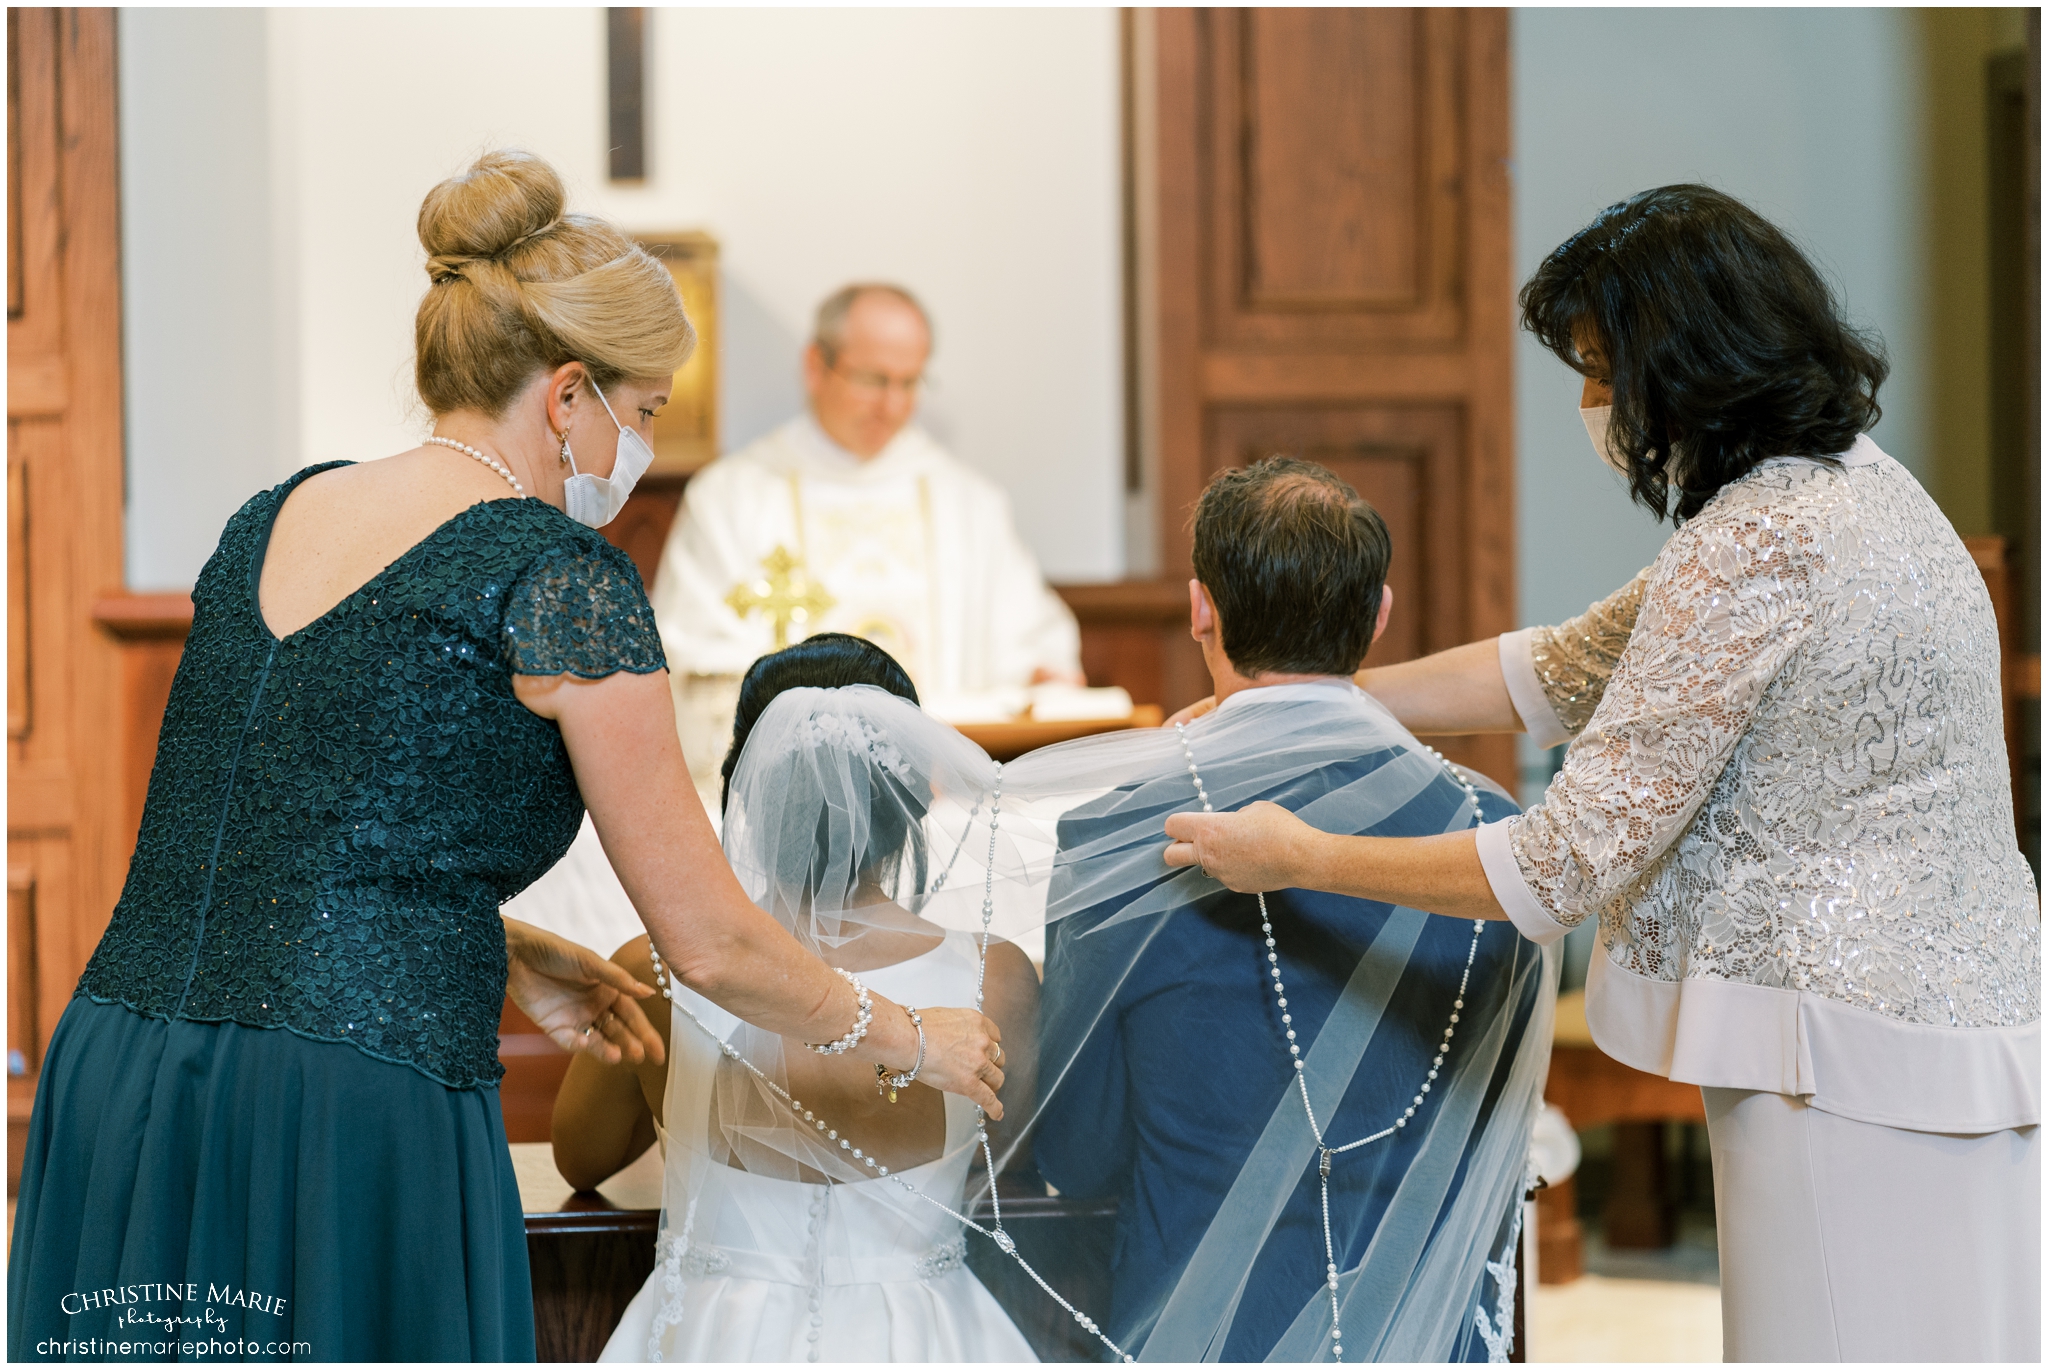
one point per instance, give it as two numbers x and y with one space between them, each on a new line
824 660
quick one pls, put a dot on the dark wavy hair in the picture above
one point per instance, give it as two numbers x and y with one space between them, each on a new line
1724 345
824 660
1295 562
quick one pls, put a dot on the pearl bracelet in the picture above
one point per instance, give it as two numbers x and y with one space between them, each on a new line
892 1083
865 1015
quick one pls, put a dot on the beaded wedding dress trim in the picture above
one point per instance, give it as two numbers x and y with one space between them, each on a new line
1766 790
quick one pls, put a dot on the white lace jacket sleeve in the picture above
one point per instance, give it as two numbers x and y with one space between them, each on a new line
1555 676
1706 628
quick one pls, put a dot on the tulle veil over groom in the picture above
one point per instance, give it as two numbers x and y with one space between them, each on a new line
1312 1111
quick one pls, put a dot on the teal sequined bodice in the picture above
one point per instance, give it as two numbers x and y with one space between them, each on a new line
335 816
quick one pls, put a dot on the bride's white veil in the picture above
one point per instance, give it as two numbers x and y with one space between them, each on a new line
852 812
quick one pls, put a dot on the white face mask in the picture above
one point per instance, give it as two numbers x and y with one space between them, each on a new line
1597 424
595 501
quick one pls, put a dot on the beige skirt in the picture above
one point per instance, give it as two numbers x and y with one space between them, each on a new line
1848 1241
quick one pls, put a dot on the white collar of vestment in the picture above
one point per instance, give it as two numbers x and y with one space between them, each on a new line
820 458
1333 690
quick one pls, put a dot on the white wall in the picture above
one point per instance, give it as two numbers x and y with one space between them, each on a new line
1812 116
970 154
1809 115
208 388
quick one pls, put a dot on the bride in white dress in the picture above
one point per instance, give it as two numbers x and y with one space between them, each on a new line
754 1267
783 1238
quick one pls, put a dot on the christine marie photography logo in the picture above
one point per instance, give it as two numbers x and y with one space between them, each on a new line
153 1319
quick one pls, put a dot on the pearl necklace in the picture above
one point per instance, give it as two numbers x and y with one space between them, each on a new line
664 981
1328 1152
484 457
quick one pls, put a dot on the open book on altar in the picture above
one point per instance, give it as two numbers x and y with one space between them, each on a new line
1036 703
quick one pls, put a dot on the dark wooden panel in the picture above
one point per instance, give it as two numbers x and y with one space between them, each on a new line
150 631
1590 1088
641 529
1334 162
1408 463
2014 261
20 682
65 494
534 1070
1134 633
35 312
14 263
1993 563
626 79
582 1282
1340 229
1560 1236
24 1023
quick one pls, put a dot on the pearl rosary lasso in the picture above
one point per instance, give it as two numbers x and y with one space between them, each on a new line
484 457
1328 1152
1003 1240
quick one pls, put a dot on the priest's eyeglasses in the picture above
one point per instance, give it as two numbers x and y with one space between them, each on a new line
875 382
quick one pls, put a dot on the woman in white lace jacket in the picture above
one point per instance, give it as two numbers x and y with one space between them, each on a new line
1786 803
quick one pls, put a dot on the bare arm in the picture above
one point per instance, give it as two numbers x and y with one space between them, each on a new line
1451 692
621 735
1264 847
1456 691
604 1114
1012 1000
579 999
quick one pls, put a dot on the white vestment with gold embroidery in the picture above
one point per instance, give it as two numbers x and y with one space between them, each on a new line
918 552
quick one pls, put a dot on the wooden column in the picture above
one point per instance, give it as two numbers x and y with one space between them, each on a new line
67 852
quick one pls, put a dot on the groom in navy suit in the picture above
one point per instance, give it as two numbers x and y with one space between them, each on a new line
1161 1098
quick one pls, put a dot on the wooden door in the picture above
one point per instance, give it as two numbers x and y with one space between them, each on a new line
1331 278
67 850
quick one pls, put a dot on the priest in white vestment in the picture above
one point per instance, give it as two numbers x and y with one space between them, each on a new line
854 510
848 518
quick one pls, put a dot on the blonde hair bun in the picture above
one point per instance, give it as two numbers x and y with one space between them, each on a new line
519 287
506 196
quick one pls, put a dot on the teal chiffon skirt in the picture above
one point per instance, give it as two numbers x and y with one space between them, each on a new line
208 1191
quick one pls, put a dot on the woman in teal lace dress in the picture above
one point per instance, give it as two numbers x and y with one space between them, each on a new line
267 1126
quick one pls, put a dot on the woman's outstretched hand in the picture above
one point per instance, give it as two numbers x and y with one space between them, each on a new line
579 999
1257 848
961 1054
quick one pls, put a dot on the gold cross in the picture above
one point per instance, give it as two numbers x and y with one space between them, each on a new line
785 595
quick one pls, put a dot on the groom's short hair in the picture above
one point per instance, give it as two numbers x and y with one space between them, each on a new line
1294 562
